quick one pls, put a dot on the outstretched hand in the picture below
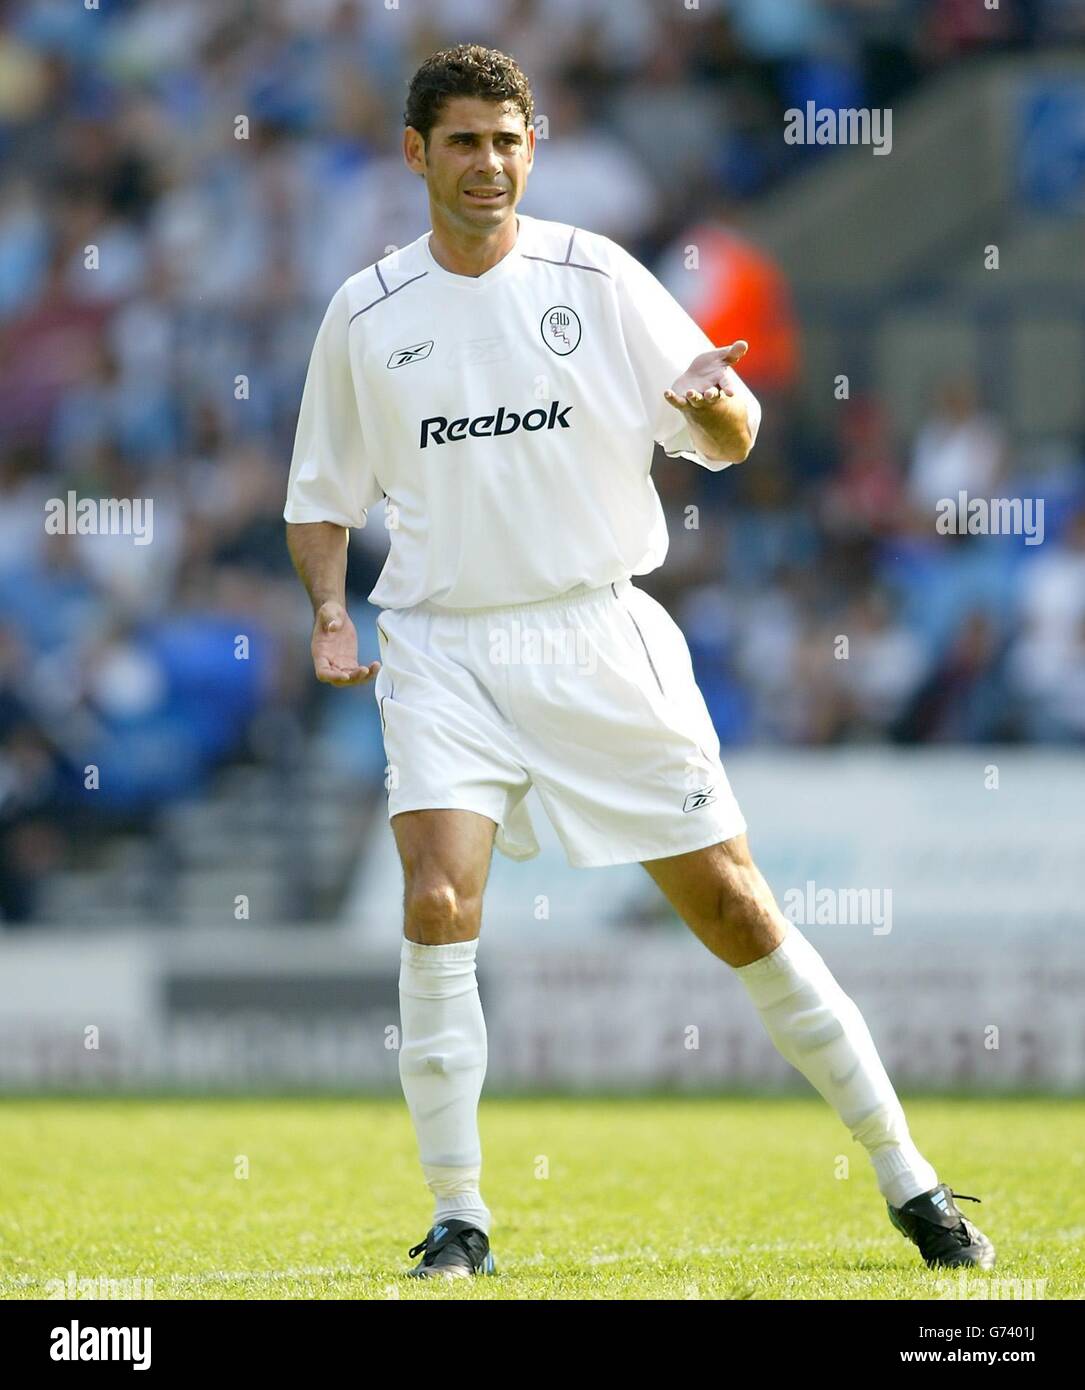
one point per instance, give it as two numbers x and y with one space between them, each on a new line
335 648
707 378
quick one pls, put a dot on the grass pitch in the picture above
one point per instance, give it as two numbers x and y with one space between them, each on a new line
592 1198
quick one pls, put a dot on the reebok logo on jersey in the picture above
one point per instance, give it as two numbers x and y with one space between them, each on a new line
438 430
403 356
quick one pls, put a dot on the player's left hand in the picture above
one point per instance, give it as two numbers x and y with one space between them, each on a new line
707 378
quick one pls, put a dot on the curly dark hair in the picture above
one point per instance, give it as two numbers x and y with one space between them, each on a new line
468 70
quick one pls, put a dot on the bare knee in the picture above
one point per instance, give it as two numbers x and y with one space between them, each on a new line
446 858
741 922
438 912
720 893
739 875
738 903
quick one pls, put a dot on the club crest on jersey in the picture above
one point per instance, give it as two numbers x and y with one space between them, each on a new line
697 799
403 357
560 328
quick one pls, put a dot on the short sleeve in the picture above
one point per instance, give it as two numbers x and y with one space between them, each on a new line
331 478
662 340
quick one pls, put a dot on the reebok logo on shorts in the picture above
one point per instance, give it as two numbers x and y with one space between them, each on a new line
697 799
438 430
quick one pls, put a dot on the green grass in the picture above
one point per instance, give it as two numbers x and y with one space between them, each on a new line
656 1198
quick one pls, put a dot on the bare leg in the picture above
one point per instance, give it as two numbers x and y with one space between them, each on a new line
721 896
446 862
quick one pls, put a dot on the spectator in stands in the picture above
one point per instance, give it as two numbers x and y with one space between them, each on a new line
959 448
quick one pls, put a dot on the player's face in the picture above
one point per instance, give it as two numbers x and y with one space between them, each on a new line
477 162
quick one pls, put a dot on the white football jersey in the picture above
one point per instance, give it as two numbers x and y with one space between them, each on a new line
508 418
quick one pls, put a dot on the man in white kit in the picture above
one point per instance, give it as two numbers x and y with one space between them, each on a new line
502 382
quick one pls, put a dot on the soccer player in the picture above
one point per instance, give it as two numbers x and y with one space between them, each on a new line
502 382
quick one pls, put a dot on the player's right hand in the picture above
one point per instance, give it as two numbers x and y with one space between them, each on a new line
335 648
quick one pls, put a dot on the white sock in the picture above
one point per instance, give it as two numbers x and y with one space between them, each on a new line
819 1029
442 1063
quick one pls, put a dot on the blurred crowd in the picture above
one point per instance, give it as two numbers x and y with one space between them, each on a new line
186 184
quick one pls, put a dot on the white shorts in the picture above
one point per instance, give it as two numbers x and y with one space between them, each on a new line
589 697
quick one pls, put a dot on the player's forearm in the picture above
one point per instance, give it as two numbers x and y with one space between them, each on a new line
319 552
722 431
